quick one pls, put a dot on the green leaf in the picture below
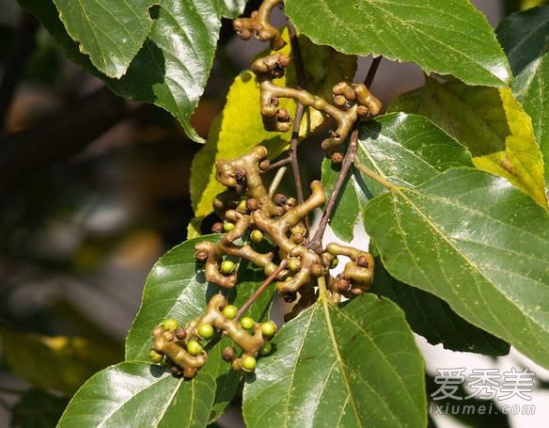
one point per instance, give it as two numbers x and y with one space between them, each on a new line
405 149
488 121
139 395
240 117
111 32
525 39
354 364
37 409
476 242
54 362
232 8
176 288
449 38
433 319
171 69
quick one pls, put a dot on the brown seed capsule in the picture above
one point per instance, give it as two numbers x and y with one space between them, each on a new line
343 285
340 100
189 372
252 204
350 94
180 334
217 227
264 165
337 157
362 111
283 115
229 354
239 174
340 88
284 60
326 144
317 270
279 199
362 261
298 238
176 371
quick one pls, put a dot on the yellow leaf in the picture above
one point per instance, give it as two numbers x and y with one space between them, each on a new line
490 123
239 127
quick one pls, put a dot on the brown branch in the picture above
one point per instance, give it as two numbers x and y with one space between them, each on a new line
261 289
315 243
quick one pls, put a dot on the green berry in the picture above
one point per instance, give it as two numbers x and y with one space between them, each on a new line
242 206
193 347
294 264
228 226
227 267
334 263
249 363
266 349
206 331
268 329
155 357
247 323
169 324
230 312
257 236
298 229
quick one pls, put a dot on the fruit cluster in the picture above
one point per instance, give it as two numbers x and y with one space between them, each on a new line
182 349
352 101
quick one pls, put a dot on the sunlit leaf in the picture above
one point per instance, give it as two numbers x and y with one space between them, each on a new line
451 37
476 242
491 123
351 365
140 395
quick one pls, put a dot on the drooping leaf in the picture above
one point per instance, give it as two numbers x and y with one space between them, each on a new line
433 318
239 126
476 242
491 123
54 362
405 149
140 395
174 63
449 38
176 288
111 32
350 365
37 409
525 39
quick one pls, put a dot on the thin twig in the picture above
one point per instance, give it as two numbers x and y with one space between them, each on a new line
276 181
261 289
315 243
372 72
280 163
301 82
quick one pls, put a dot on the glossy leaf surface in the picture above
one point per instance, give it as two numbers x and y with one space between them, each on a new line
476 242
450 38
111 32
490 123
173 66
405 149
350 365
140 395
433 318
